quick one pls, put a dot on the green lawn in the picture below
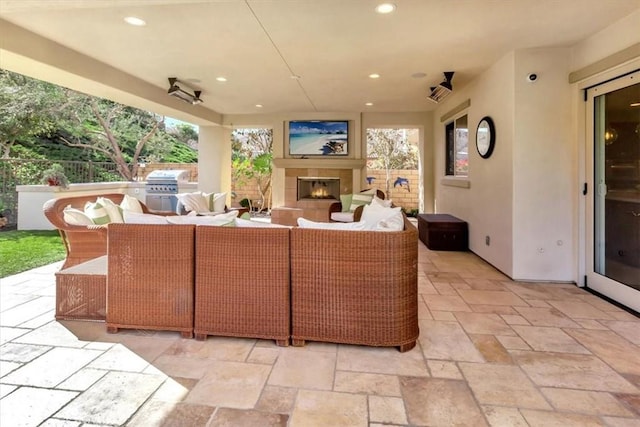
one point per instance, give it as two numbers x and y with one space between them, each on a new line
24 250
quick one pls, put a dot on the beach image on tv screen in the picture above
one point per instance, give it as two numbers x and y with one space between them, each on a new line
318 138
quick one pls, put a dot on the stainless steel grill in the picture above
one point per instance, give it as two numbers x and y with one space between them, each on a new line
162 187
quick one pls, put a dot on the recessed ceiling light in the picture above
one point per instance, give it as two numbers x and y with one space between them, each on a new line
419 75
374 76
369 104
258 105
221 79
132 20
385 8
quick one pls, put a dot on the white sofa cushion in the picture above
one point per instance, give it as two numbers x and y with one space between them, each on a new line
241 222
131 217
220 220
305 223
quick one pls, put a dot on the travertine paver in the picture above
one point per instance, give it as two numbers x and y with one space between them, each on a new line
491 352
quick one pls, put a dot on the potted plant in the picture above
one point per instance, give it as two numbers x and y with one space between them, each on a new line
54 176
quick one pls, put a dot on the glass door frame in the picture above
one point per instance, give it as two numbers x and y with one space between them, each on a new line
617 291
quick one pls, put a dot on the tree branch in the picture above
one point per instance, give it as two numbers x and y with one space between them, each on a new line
83 145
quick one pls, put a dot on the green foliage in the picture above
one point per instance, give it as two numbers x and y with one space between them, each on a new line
27 109
24 250
180 153
411 212
251 158
41 120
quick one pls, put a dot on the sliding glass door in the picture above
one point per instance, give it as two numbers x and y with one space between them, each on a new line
613 203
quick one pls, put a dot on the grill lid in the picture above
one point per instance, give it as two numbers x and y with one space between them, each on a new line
167 175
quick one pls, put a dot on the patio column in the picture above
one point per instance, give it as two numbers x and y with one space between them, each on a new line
214 159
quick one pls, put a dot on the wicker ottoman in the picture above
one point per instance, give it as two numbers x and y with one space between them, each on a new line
443 232
81 291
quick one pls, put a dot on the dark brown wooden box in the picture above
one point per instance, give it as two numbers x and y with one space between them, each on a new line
443 232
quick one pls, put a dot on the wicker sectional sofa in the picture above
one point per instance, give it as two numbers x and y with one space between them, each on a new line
286 284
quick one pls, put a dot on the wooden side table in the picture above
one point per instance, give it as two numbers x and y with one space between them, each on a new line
443 232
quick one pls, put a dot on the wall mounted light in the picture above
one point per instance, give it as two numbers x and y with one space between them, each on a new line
438 93
178 92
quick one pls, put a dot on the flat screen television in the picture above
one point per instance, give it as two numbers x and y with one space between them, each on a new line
318 138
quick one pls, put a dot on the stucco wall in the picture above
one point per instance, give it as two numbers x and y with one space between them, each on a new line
487 204
544 186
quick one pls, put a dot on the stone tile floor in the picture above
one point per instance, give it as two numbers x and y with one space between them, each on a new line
491 352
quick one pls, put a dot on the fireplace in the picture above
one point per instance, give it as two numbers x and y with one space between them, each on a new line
318 188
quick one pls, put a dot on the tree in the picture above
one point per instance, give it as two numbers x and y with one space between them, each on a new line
36 115
185 133
28 109
110 128
390 149
251 158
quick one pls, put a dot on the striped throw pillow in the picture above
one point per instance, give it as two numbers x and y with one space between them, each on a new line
97 213
360 199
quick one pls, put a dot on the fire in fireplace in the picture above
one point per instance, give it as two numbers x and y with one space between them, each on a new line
318 188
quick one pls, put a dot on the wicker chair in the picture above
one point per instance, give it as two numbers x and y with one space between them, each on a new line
242 283
150 277
81 242
355 287
357 214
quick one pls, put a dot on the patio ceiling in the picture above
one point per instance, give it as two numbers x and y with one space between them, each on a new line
257 45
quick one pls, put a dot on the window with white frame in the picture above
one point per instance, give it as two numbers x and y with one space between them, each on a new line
457 152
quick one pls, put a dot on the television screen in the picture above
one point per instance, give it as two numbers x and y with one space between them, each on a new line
318 138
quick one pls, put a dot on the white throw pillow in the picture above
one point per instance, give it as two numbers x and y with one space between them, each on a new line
374 213
131 204
394 223
97 213
342 216
73 216
305 223
131 217
114 211
216 201
194 202
382 202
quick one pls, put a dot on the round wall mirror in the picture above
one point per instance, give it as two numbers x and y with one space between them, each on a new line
485 137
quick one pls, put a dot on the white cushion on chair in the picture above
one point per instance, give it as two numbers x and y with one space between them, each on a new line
342 216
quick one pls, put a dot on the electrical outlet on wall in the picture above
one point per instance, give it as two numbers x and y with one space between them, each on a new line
487 240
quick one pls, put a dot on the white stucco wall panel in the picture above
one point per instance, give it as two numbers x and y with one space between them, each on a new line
544 192
214 156
486 205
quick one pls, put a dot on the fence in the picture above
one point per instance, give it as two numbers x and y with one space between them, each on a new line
404 186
